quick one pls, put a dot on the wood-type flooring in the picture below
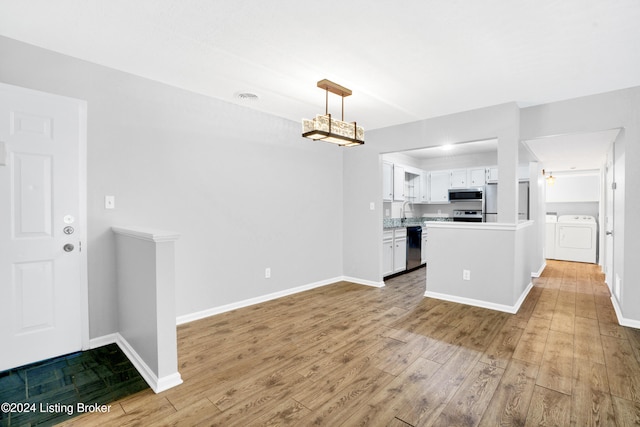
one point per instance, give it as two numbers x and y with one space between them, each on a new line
352 355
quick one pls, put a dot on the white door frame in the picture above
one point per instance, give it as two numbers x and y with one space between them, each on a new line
82 202
609 220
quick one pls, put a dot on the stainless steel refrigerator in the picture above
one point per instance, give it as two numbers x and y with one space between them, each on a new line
491 202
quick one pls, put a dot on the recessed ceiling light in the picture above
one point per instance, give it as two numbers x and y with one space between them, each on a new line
247 96
446 147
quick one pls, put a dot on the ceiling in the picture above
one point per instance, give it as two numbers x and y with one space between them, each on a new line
579 151
404 61
450 150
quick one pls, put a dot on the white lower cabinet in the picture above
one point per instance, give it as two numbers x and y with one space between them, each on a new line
400 254
387 253
394 251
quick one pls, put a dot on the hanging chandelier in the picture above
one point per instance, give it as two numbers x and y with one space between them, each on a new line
326 128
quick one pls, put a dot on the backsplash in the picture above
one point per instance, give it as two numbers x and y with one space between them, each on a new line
399 222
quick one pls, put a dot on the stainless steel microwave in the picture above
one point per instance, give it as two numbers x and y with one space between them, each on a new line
465 195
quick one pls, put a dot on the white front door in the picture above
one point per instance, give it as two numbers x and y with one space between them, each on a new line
43 295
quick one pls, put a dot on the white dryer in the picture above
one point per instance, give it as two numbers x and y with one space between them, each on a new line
576 238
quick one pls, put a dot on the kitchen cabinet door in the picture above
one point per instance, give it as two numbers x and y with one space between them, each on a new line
399 254
424 187
387 181
387 257
523 172
439 184
492 174
459 178
477 177
398 183
412 187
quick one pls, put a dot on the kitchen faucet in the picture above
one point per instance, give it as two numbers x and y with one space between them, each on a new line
403 212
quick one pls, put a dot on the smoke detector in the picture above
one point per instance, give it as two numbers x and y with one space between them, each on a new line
246 97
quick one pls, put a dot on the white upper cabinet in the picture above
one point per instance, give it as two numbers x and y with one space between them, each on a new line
477 177
492 174
412 183
424 187
439 184
387 181
459 178
523 172
398 183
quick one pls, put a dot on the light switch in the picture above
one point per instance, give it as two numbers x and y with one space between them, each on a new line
109 202
372 206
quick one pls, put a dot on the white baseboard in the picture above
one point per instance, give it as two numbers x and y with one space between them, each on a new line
157 384
103 340
363 282
186 318
631 323
523 297
513 309
540 270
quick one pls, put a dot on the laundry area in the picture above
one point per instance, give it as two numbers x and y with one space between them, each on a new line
572 238
573 208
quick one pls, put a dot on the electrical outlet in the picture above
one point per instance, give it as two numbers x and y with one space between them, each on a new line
466 274
267 273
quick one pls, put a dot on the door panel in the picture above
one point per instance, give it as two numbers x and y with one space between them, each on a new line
33 296
31 195
42 286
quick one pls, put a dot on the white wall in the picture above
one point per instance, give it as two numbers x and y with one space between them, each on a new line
574 188
243 189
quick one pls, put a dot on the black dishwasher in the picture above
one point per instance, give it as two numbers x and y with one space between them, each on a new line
414 247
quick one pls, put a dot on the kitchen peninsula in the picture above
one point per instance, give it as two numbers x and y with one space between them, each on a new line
476 263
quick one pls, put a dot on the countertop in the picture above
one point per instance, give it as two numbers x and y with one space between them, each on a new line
389 223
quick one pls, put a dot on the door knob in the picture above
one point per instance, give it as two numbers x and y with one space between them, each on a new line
68 247
609 233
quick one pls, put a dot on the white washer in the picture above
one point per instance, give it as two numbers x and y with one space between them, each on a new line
550 237
576 237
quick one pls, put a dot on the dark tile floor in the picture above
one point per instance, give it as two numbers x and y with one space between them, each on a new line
51 391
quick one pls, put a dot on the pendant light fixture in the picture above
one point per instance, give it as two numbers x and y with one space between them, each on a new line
550 179
325 128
